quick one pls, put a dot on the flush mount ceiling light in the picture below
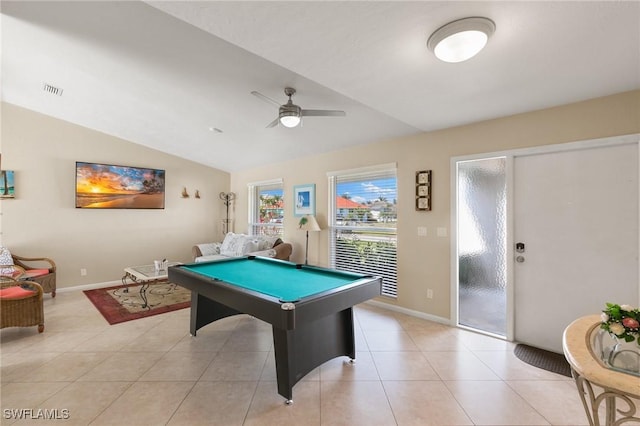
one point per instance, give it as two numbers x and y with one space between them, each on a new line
460 40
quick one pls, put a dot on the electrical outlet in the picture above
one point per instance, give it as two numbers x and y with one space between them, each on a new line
83 272
429 293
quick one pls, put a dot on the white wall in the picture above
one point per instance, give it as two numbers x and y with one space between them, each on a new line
42 220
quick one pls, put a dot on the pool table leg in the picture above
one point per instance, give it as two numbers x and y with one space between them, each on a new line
309 345
205 311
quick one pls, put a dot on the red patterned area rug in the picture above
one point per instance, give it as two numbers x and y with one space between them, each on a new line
125 303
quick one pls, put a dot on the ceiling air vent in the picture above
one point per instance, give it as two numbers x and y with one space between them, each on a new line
52 89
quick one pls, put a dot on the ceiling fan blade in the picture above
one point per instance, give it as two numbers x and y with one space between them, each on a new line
322 113
265 98
274 123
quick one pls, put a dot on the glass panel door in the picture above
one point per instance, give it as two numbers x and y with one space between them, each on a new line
482 244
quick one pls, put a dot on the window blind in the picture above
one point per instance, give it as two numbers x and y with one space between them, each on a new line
363 223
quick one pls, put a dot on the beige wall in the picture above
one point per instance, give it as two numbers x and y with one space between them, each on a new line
42 220
424 262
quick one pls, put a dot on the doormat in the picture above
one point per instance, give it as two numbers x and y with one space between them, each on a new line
547 360
125 303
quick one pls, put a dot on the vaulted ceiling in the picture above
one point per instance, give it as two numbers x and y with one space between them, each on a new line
178 76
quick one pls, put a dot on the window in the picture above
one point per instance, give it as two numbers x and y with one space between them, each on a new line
266 208
363 222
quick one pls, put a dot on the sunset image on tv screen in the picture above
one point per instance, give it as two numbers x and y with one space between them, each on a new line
105 186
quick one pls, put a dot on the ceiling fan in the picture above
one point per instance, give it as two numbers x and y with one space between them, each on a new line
289 114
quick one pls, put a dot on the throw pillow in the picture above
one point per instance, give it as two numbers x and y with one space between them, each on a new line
265 242
208 249
6 262
250 247
234 245
230 240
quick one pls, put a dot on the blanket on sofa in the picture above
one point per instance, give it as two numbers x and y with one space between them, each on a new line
236 245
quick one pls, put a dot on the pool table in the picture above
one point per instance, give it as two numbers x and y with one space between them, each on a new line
309 308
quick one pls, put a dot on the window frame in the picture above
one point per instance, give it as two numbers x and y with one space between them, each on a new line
390 278
254 224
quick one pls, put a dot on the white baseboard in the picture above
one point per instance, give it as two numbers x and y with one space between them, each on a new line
88 286
410 312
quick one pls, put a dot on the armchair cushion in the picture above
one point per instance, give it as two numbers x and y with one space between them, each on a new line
15 292
34 273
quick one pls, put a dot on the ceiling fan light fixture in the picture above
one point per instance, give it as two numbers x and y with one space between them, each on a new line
290 114
460 40
289 120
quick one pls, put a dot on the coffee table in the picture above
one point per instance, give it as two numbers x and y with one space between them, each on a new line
145 275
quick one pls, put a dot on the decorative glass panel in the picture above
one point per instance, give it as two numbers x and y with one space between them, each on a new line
481 222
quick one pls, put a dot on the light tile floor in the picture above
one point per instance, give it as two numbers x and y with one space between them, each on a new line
152 372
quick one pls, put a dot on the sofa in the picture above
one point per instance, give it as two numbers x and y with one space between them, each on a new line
237 245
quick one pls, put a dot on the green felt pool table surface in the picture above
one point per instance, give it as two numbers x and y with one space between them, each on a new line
282 280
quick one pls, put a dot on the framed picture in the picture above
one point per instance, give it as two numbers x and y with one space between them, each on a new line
304 197
107 186
422 191
7 189
423 203
423 177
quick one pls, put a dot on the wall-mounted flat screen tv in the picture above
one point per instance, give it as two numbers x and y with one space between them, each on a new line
106 186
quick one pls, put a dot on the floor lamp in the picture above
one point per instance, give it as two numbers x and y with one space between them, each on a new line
308 223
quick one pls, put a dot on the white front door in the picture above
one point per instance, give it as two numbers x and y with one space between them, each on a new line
576 215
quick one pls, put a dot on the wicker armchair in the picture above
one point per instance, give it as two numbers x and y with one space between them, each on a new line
21 304
39 269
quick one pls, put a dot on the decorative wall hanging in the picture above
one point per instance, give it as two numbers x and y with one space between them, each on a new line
423 190
7 184
304 199
106 186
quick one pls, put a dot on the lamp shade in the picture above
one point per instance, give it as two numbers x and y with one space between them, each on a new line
460 40
308 223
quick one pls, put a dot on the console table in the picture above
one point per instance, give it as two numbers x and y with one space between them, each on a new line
597 384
